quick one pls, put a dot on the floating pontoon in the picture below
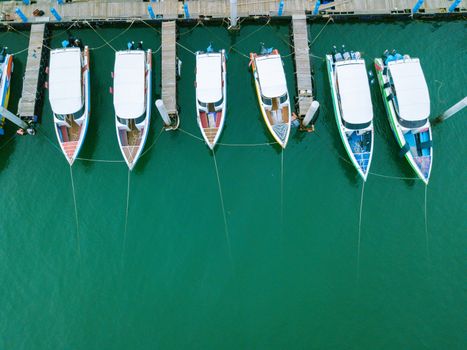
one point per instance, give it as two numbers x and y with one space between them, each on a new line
407 101
211 98
352 107
273 97
132 101
69 97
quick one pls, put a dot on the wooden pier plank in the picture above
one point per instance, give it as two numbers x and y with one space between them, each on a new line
169 82
29 95
302 63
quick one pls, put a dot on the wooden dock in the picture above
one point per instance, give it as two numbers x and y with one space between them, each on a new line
169 79
28 103
115 10
302 64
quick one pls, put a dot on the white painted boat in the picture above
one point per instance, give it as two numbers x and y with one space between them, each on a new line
353 108
407 101
69 97
132 101
273 96
211 97
6 69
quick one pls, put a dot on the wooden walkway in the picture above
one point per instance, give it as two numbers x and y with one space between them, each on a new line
30 94
302 64
169 81
94 10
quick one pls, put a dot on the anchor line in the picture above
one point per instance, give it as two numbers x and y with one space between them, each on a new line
427 236
226 228
76 213
100 36
360 231
126 215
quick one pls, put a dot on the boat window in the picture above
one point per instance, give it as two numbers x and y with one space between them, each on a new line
122 121
140 119
79 114
355 126
60 116
202 104
266 101
283 98
411 124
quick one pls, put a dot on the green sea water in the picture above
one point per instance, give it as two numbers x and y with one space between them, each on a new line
146 261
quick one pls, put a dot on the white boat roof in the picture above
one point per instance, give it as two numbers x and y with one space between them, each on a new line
129 82
412 94
271 75
209 77
65 89
354 91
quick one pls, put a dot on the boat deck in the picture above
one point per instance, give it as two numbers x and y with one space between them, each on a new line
30 93
169 81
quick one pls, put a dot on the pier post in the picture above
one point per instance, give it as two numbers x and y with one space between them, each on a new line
185 9
281 8
453 110
151 12
21 15
55 14
454 5
233 13
417 6
316 9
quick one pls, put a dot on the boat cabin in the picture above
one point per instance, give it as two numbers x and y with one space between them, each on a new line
272 81
66 89
129 91
354 95
209 84
409 92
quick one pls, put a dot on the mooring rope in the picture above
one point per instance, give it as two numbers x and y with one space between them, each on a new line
226 228
154 142
360 230
114 38
282 188
61 32
100 36
393 177
319 33
427 236
229 144
76 213
126 216
184 47
48 139
150 26
100 160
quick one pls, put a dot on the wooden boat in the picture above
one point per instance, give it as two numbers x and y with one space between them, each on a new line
132 101
273 96
211 98
350 91
6 69
407 101
69 97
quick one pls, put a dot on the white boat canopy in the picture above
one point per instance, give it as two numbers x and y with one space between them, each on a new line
354 92
271 76
209 77
129 84
412 94
65 88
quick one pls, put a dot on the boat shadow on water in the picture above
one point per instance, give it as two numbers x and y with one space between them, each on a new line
7 145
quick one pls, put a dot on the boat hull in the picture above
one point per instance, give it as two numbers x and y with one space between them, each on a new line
7 69
71 138
359 147
420 164
280 131
132 142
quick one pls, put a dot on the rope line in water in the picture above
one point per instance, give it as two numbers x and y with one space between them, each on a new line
319 33
427 236
114 38
76 213
360 231
226 228
282 187
157 138
100 160
126 216
229 144
100 36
